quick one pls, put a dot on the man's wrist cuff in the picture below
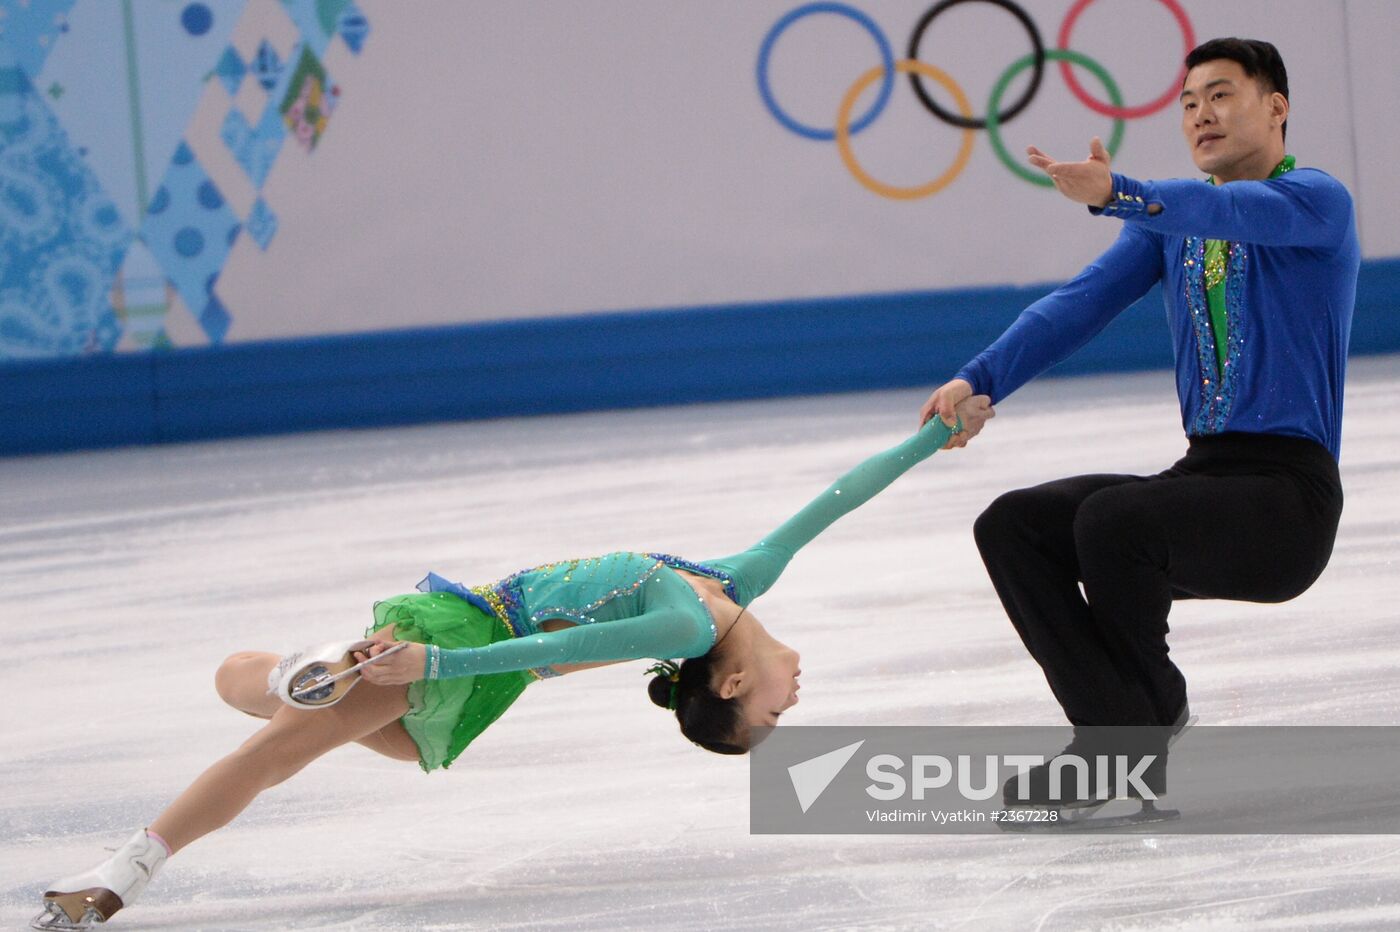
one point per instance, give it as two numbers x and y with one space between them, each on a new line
970 377
1129 199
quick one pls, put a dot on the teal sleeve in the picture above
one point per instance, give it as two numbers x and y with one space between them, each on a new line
660 632
755 570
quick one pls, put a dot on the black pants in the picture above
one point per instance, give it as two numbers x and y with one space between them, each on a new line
1250 517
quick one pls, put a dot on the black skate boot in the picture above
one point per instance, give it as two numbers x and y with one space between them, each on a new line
1100 765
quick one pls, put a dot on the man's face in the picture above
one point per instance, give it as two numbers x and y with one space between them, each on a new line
1227 117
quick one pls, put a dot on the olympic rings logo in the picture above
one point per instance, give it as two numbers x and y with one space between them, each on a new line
846 127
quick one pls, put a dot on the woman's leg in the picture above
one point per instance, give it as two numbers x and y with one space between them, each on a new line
241 681
292 739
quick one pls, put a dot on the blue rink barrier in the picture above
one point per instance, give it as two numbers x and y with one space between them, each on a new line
563 364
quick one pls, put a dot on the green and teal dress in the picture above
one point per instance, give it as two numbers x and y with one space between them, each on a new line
622 606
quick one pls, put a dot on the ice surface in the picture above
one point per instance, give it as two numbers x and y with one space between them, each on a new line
127 575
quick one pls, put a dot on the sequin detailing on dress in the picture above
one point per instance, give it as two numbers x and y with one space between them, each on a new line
505 605
700 569
583 614
515 591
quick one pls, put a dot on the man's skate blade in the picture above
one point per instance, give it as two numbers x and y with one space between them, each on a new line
1131 820
1084 820
1176 736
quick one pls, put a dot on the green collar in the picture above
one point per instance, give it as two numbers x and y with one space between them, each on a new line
1282 168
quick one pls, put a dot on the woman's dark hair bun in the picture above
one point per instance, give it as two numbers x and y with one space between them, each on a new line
704 717
659 689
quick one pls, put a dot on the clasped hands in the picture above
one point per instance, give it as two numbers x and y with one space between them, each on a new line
955 402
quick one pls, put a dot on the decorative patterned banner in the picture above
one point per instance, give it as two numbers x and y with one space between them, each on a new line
109 223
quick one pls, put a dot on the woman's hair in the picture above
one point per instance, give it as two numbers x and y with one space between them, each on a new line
705 718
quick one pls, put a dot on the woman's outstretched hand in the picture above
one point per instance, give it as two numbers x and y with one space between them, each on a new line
403 666
954 401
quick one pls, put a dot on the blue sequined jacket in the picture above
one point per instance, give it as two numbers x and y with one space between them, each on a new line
1290 292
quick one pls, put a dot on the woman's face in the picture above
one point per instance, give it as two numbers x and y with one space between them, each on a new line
770 686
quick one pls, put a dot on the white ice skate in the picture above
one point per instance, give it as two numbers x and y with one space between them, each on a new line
93 896
318 678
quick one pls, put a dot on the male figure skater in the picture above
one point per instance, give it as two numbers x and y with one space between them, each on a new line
1258 264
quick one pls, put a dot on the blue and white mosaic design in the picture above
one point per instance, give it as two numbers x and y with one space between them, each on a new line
317 20
231 70
31 28
354 28
267 66
61 237
190 229
261 224
255 148
106 212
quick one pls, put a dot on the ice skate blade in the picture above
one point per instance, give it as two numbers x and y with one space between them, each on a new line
1185 727
1084 819
77 910
324 684
58 922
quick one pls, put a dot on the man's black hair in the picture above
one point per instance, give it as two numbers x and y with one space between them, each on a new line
1259 59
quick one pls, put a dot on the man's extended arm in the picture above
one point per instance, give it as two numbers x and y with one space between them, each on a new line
1061 322
1305 207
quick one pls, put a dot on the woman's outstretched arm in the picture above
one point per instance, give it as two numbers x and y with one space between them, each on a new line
755 570
660 633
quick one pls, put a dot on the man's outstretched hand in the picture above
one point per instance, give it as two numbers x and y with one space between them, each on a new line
953 401
1087 182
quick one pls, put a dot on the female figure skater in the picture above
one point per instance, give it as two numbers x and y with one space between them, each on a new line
468 653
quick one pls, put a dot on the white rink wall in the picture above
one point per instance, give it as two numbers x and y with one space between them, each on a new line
495 160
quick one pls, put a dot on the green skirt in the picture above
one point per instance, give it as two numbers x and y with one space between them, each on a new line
444 716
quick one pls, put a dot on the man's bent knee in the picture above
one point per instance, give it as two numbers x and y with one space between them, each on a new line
1113 518
1000 518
